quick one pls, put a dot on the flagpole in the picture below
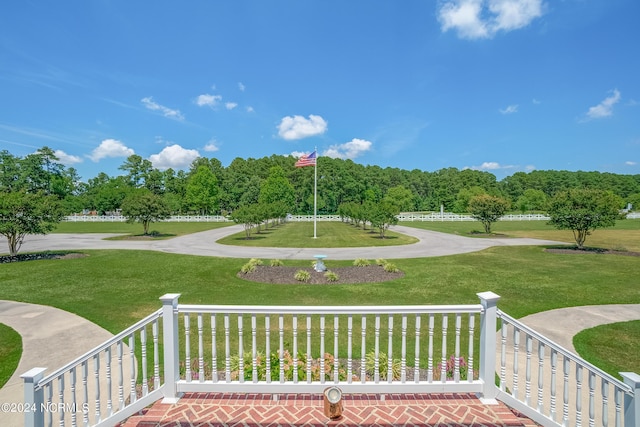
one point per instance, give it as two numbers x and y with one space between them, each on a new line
315 194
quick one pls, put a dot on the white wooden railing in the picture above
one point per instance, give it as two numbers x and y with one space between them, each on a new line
430 217
283 349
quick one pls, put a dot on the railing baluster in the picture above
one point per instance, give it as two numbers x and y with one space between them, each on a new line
120 377
309 349
240 350
72 386
503 355
363 352
443 360
322 331
349 349
187 347
554 375
617 397
540 376
96 374
281 346
336 360
416 362
516 349
214 350
61 398
376 363
254 348
605 402
156 358
592 399
49 404
108 375
527 380
472 324
295 348
456 362
403 353
132 366
267 327
200 349
227 350
430 361
390 350
578 395
565 392
143 349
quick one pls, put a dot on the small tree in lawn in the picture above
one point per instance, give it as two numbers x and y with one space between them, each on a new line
383 215
24 213
487 209
145 207
584 210
249 216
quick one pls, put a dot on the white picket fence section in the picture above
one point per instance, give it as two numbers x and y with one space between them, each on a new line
286 349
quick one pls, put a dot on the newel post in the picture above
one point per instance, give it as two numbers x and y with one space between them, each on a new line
631 402
33 397
488 323
170 341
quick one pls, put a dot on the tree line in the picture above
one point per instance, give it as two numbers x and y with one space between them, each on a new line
209 188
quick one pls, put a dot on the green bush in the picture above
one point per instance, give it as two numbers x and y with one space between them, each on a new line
380 261
276 263
383 366
331 276
361 262
302 276
390 267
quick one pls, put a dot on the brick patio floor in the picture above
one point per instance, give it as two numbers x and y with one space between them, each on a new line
256 410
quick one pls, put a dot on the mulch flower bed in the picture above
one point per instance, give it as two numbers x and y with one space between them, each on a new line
346 275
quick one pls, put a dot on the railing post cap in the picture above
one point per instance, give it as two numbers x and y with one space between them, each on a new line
631 378
33 374
488 296
169 297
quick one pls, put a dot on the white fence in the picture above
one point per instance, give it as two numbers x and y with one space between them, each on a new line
432 217
282 349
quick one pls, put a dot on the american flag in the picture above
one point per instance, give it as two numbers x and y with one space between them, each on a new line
306 160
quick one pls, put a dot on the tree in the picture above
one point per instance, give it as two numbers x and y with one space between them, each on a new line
145 207
531 200
487 209
24 213
202 191
277 188
383 215
401 197
249 216
584 210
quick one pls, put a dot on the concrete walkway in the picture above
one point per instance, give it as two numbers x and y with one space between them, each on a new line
52 337
430 244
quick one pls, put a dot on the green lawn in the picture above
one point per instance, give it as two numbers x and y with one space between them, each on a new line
115 289
172 228
10 352
328 235
613 347
624 236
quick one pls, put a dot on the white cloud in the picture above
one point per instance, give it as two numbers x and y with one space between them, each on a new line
529 168
173 156
231 105
212 146
297 127
478 19
629 163
241 86
510 109
490 166
67 159
349 150
110 148
605 108
167 112
207 100
250 109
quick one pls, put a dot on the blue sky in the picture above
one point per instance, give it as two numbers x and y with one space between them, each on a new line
496 85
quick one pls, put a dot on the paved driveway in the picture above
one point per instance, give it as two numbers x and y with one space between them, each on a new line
430 244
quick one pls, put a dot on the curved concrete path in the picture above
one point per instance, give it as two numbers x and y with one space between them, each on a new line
430 244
